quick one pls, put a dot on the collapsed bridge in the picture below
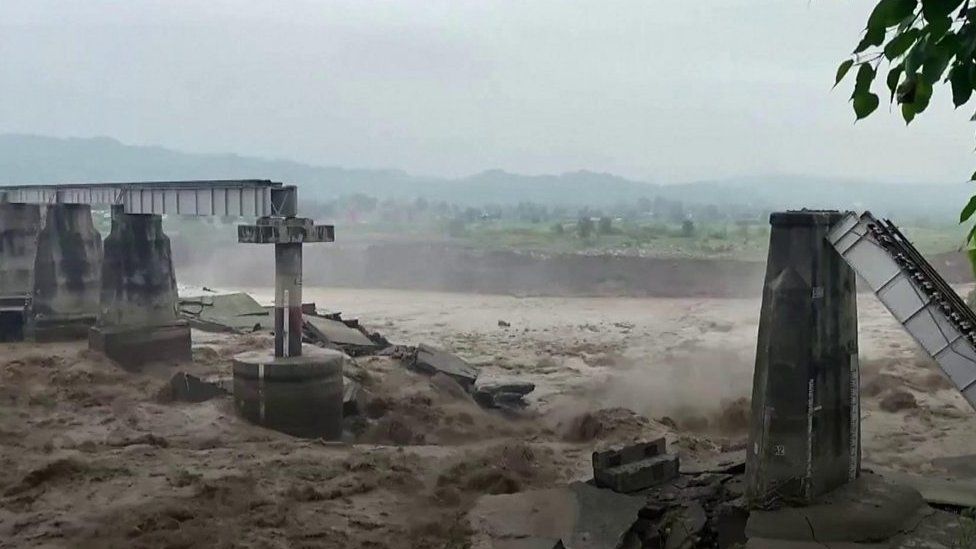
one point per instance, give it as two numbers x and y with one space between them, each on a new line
805 427
60 280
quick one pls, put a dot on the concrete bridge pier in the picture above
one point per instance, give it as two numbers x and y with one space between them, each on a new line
67 270
137 319
19 227
295 391
804 438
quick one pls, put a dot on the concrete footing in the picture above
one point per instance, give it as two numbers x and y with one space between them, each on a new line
19 227
804 437
67 272
133 347
299 395
868 510
137 321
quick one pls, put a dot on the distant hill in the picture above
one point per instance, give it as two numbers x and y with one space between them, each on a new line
38 159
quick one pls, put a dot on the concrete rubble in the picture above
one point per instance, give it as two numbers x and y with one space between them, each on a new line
430 360
183 387
348 336
235 312
578 516
634 467
502 394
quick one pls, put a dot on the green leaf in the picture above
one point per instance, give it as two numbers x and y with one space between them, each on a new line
973 177
889 13
865 104
908 112
972 233
962 87
933 9
968 211
937 27
923 93
894 75
842 71
938 59
967 41
872 37
898 45
865 75
916 56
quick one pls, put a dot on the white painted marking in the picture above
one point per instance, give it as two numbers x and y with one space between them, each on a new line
285 327
261 391
855 442
809 477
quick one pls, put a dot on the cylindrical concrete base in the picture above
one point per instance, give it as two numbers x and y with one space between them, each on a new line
300 396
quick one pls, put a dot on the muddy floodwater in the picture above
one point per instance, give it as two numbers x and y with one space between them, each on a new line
91 457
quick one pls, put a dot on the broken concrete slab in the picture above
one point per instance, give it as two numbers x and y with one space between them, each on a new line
336 333
502 394
430 360
634 467
231 312
959 493
957 466
581 515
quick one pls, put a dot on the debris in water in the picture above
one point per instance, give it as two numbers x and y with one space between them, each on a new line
429 360
183 387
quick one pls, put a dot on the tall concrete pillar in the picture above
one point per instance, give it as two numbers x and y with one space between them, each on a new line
295 392
67 272
137 321
804 438
19 227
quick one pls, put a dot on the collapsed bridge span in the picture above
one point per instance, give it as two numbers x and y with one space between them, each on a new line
913 292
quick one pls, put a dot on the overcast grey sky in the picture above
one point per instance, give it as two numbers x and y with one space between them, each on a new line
667 90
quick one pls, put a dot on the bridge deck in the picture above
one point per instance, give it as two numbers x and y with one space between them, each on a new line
232 197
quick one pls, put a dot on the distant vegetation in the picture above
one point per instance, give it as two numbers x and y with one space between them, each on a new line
658 227
580 212
34 159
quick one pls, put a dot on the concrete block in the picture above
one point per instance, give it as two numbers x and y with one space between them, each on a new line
133 347
637 475
615 457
